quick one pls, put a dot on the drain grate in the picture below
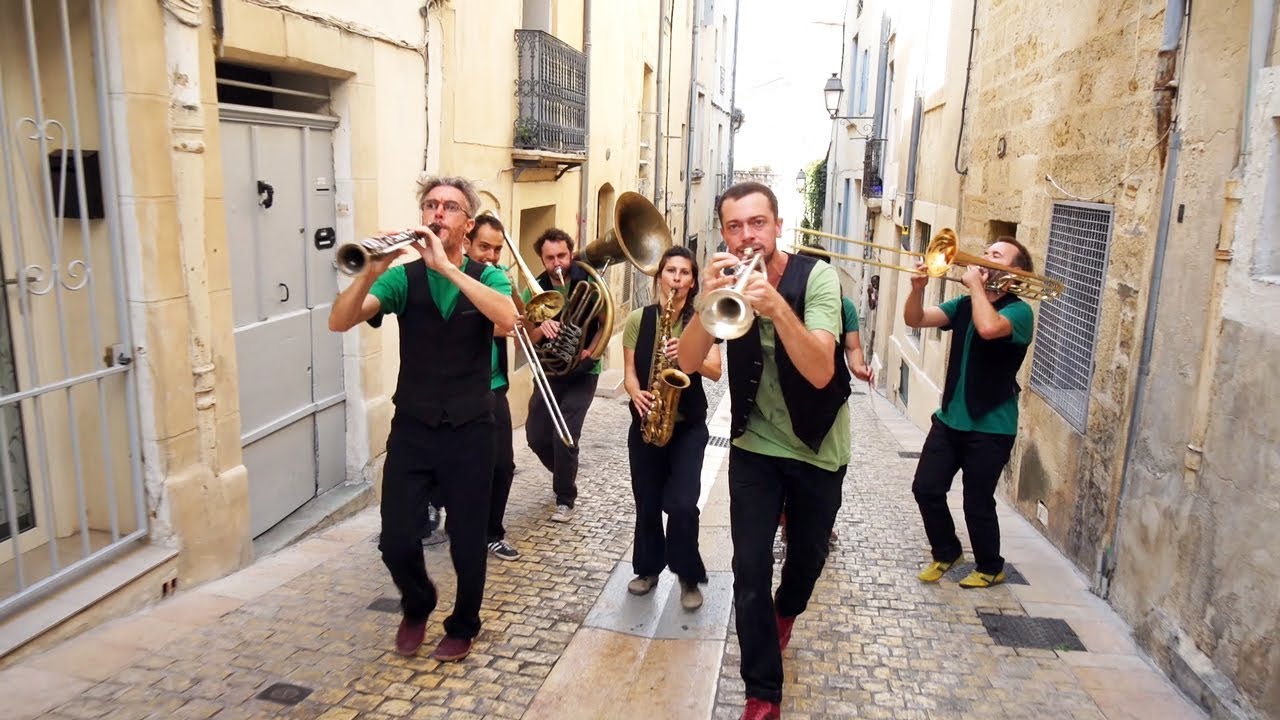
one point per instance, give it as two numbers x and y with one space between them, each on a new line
717 441
1020 631
1011 574
908 454
285 694
385 604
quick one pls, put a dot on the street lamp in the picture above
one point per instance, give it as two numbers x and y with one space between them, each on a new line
831 93
801 182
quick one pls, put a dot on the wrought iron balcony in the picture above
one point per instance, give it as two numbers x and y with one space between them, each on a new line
872 167
552 95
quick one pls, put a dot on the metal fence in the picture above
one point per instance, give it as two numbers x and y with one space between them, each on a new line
1067 332
872 167
71 491
551 93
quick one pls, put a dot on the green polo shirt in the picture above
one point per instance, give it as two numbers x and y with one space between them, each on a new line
768 429
392 290
1003 419
563 290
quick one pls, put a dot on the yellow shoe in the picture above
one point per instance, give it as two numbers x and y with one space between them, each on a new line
977 579
936 570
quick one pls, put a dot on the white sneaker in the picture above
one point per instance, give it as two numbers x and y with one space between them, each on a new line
563 513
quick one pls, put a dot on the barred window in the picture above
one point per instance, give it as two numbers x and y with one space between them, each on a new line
1067 332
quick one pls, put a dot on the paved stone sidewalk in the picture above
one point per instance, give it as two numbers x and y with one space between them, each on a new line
874 643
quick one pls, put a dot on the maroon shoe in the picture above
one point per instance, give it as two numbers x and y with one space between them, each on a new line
452 649
758 709
784 631
409 637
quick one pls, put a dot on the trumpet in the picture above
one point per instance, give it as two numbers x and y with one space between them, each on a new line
542 306
725 313
353 258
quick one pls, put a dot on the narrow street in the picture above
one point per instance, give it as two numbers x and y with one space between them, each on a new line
562 639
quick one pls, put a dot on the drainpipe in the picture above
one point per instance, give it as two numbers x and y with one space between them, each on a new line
657 101
690 129
1166 89
583 175
733 86
908 213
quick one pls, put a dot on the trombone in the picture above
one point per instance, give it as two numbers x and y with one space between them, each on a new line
943 254
542 305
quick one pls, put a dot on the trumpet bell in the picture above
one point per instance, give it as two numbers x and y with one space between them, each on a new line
639 235
725 314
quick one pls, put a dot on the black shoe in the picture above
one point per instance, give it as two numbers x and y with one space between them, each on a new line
502 550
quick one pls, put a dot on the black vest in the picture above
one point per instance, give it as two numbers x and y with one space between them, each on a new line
445 365
813 410
693 400
576 274
991 377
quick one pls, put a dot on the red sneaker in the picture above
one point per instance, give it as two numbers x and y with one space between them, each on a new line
409 636
451 649
784 631
758 709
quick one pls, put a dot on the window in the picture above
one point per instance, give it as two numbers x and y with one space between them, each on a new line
1067 329
863 77
904 382
921 240
853 74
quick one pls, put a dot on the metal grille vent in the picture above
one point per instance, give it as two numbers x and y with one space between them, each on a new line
1020 631
1062 369
717 441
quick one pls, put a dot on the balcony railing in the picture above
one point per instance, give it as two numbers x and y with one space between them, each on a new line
872 167
552 95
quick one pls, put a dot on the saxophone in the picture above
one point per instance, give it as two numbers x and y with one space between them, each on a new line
665 384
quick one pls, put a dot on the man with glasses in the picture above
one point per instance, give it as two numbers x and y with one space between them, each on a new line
441 444
788 384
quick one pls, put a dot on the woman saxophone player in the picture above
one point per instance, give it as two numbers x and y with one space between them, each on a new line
668 431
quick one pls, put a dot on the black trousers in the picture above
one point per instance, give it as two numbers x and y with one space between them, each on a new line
760 488
668 479
457 463
981 456
573 394
504 464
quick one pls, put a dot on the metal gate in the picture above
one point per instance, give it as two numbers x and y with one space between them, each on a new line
279 188
70 472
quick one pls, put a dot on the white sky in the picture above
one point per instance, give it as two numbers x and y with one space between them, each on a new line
785 55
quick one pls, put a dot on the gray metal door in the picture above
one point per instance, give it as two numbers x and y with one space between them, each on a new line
278 177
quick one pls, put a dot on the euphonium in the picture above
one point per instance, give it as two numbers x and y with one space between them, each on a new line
665 384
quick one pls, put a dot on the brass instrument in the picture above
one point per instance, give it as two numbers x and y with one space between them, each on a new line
725 313
666 382
943 254
352 258
541 306
639 236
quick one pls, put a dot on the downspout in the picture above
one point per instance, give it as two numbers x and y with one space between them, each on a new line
657 101
1259 51
691 131
583 175
733 87
908 213
1166 90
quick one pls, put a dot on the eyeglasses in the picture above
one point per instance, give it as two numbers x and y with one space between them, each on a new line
734 227
449 206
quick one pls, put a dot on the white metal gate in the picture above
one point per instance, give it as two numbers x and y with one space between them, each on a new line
278 175
70 475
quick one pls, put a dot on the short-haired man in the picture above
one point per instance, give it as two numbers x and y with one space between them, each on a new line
974 429
484 245
790 425
441 440
574 390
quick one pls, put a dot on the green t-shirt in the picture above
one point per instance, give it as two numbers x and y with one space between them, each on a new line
631 330
849 315
526 293
392 291
768 429
1003 419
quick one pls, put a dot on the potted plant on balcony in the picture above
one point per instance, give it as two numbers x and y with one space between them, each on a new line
526 133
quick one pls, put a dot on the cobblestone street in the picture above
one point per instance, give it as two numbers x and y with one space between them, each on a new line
874 643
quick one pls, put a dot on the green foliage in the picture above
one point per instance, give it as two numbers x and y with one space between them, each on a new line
815 197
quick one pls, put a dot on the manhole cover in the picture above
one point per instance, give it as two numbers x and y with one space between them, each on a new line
1011 574
1020 631
385 604
717 441
285 694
